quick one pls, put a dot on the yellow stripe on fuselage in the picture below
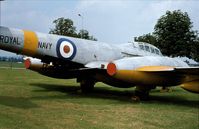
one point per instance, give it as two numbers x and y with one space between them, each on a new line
30 43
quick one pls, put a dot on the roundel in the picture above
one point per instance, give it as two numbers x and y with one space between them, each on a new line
66 49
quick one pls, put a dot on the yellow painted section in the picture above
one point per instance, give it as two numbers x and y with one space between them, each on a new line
148 78
155 68
191 86
30 43
136 77
189 83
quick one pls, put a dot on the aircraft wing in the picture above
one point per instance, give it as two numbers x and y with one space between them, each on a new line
155 74
179 70
190 70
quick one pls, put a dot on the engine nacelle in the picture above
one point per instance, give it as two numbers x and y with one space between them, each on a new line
50 70
33 64
139 77
152 71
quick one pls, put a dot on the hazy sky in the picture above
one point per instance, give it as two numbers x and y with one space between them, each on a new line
114 21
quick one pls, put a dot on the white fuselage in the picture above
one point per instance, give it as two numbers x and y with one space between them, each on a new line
77 50
86 50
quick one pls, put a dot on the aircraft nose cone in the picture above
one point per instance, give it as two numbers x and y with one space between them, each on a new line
111 69
27 63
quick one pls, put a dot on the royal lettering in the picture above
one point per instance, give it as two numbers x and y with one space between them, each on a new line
9 40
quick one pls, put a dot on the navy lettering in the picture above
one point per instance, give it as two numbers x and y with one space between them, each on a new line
44 45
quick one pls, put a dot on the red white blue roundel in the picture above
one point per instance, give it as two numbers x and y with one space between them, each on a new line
66 49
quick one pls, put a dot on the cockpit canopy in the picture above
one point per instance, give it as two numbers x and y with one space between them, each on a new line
149 48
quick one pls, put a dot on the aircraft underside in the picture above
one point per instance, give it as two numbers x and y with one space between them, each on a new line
88 77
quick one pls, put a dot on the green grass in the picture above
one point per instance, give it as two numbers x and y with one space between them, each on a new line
29 100
11 64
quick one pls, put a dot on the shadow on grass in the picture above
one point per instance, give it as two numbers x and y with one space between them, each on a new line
75 92
123 96
174 100
17 102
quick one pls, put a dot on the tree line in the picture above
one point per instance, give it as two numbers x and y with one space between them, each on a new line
11 58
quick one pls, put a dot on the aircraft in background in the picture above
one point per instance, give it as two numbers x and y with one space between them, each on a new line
125 65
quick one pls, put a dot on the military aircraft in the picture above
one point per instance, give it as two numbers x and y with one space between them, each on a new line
125 65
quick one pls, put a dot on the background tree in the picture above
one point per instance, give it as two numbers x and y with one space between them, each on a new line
194 51
66 27
85 35
173 34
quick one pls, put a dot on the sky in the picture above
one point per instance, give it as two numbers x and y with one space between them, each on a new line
111 21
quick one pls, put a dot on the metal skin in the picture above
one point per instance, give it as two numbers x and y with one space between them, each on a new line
124 65
50 70
150 71
86 51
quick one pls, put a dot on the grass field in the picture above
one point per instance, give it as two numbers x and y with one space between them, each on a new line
11 64
31 101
